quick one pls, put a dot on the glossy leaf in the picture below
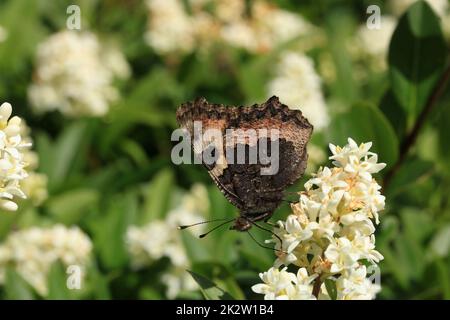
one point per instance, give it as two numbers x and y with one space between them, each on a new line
417 55
365 123
209 289
331 288
16 288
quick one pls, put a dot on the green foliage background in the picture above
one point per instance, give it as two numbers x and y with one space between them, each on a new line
106 174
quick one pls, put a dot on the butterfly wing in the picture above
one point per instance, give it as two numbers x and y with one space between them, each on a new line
243 182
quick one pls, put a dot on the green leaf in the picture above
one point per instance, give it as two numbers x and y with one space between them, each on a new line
417 225
44 148
443 136
254 74
388 230
59 158
16 288
209 289
191 244
222 275
339 27
72 205
110 229
413 171
157 197
148 293
443 275
440 244
330 285
405 258
23 37
394 113
417 56
365 123
67 148
7 220
57 286
135 151
98 282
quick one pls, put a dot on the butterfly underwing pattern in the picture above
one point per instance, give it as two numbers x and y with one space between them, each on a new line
254 194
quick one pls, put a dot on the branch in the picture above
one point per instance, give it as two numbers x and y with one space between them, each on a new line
412 136
316 287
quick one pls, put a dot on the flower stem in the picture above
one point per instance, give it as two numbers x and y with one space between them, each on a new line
316 287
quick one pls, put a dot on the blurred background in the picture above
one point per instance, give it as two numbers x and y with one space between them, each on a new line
98 84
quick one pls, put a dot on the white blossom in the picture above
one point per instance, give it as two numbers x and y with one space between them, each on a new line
170 28
12 162
148 243
177 280
33 251
267 27
354 285
283 285
369 47
161 239
342 255
298 85
329 234
375 42
75 73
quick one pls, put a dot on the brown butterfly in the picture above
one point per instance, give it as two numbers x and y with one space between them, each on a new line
254 193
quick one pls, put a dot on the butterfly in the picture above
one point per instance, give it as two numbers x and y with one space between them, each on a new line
255 193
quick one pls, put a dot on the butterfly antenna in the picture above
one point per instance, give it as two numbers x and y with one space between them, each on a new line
196 224
216 227
263 246
270 231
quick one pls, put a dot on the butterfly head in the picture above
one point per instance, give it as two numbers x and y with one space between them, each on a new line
241 224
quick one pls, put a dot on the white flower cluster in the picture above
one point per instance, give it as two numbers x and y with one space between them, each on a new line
172 29
267 26
34 186
371 45
12 162
375 42
298 85
33 251
160 239
329 235
75 75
